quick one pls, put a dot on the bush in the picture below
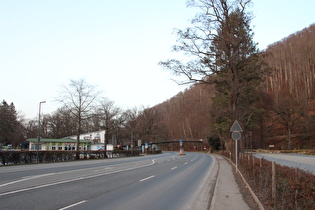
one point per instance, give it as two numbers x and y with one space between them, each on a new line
295 188
25 157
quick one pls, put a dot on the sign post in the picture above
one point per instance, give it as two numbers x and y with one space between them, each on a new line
236 130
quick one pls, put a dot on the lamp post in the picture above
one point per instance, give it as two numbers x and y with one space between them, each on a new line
38 136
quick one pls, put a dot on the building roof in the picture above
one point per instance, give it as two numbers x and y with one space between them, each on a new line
58 140
84 135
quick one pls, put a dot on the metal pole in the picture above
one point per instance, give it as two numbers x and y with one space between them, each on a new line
105 145
38 135
236 155
131 142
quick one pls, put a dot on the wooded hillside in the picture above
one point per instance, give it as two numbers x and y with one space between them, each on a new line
292 63
187 115
290 85
288 100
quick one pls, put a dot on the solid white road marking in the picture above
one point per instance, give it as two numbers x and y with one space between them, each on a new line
65 181
40 186
37 176
26 178
150 177
72 205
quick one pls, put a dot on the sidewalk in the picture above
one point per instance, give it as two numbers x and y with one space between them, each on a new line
227 194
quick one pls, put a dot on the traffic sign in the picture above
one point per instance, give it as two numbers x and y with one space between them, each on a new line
236 135
236 127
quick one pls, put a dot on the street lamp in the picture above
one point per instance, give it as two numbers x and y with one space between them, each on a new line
38 136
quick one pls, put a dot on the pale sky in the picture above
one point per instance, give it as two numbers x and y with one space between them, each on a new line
114 45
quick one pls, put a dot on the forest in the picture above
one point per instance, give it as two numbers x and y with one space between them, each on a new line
270 92
290 87
288 100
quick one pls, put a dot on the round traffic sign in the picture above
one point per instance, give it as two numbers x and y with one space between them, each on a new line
236 135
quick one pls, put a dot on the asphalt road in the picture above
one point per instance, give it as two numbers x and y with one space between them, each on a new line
167 181
304 162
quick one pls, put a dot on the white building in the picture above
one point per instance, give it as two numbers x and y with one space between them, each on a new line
97 139
88 141
58 144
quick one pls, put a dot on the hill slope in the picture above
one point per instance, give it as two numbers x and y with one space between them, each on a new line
289 92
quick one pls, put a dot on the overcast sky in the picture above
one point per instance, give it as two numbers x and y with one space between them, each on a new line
114 45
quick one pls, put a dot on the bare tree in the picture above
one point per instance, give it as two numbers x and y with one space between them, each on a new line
148 125
109 116
289 112
60 124
220 22
131 122
78 97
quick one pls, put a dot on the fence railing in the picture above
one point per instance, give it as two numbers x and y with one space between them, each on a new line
277 186
26 157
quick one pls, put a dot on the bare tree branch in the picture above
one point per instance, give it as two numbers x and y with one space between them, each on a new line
78 98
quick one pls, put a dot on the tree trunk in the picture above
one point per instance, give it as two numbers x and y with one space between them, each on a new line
289 137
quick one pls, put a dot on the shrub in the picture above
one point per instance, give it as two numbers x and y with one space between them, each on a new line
295 188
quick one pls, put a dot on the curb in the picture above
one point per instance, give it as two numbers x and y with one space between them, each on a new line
214 191
259 204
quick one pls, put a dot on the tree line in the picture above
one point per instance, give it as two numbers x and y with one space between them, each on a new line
83 110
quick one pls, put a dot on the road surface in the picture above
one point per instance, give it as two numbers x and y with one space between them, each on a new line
167 181
304 162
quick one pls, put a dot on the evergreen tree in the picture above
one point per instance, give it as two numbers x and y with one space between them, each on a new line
8 123
222 54
238 75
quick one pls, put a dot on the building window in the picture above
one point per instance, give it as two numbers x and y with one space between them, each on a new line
70 146
34 147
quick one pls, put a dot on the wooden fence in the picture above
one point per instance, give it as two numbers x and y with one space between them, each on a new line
277 186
